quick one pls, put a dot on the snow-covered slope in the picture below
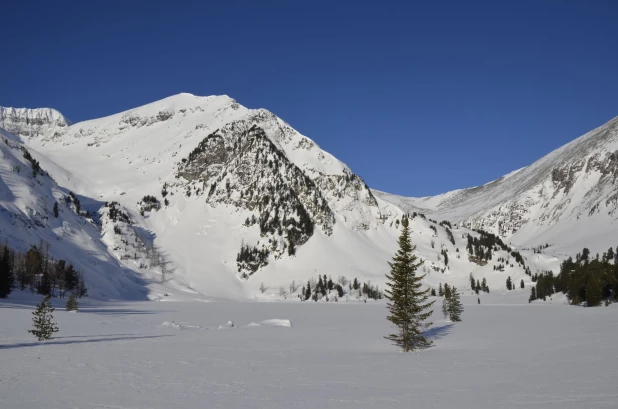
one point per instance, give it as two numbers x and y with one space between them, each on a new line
233 197
26 219
568 198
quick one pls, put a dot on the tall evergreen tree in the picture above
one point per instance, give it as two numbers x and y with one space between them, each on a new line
440 290
42 320
445 304
56 214
71 278
593 292
45 283
308 291
447 290
6 273
532 294
455 308
521 284
407 303
484 285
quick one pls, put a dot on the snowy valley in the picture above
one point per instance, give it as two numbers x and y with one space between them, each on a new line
196 227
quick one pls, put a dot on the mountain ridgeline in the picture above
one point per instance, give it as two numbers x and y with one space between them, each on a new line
200 194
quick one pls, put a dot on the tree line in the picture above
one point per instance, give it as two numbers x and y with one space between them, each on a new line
583 280
37 271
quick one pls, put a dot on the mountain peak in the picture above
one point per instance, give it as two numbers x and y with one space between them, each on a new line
28 122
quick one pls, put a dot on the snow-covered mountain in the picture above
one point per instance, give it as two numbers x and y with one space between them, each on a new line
568 198
212 197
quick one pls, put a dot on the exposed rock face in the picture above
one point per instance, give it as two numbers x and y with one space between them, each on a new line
240 166
32 123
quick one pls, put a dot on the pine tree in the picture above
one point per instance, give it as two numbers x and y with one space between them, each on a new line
521 284
6 273
56 210
42 320
45 283
440 290
532 294
508 283
72 304
593 292
484 285
445 303
433 292
447 291
71 278
308 291
407 303
455 308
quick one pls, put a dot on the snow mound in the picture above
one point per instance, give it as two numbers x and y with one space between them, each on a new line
229 324
180 326
272 323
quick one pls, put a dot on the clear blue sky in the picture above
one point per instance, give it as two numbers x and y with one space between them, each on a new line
416 97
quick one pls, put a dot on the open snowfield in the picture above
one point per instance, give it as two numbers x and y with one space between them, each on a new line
505 354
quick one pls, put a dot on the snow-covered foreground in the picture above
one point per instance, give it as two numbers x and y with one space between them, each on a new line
505 354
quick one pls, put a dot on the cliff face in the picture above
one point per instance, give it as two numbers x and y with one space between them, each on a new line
32 123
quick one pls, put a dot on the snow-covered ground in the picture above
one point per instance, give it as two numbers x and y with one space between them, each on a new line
505 354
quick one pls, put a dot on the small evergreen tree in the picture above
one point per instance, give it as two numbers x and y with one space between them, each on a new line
72 304
56 210
407 303
509 285
42 320
455 308
308 291
433 292
521 284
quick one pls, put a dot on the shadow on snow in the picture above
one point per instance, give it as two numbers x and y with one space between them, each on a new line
76 341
